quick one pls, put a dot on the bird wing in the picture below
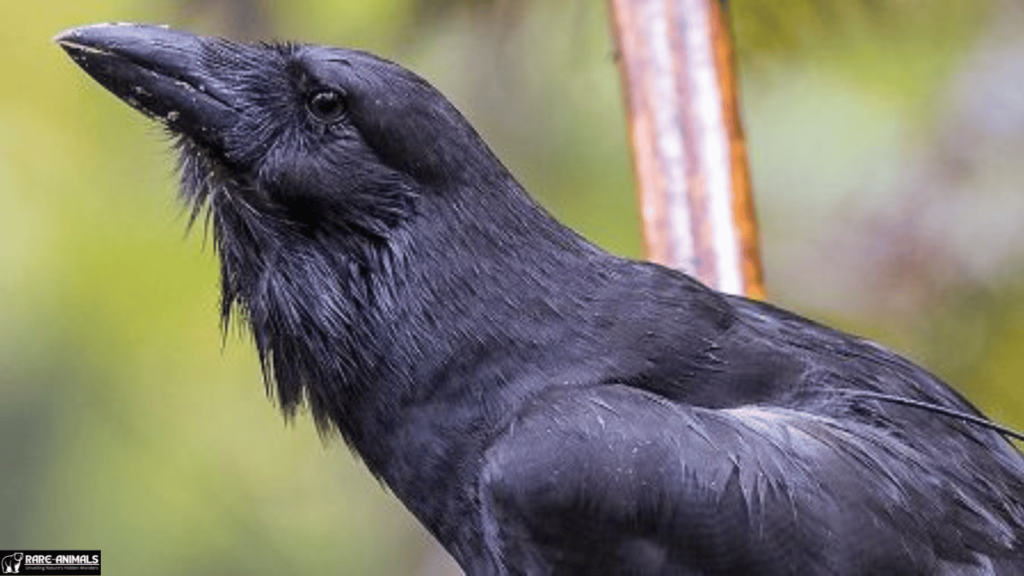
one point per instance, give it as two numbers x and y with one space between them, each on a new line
616 480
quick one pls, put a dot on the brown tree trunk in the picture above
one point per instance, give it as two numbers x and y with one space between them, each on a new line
690 159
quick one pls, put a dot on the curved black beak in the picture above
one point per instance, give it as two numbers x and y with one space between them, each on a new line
157 71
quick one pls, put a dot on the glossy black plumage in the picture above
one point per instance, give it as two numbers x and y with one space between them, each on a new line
541 406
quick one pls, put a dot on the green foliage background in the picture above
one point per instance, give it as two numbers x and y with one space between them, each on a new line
886 138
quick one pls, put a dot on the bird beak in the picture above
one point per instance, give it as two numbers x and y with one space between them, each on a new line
157 71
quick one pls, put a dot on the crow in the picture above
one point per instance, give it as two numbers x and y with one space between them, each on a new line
542 406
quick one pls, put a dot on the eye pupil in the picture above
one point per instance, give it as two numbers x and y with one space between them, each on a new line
326 105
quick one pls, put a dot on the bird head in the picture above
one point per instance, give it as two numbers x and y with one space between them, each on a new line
310 135
333 179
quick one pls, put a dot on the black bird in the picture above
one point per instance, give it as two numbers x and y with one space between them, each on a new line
541 406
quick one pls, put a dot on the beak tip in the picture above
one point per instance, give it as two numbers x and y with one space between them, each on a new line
68 36
81 34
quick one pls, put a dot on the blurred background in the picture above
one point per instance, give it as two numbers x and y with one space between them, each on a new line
887 146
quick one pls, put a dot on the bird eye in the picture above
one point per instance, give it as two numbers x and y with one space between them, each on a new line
326 105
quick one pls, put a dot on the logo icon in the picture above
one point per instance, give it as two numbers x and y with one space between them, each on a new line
11 564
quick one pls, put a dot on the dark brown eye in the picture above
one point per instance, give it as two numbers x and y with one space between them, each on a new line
326 105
